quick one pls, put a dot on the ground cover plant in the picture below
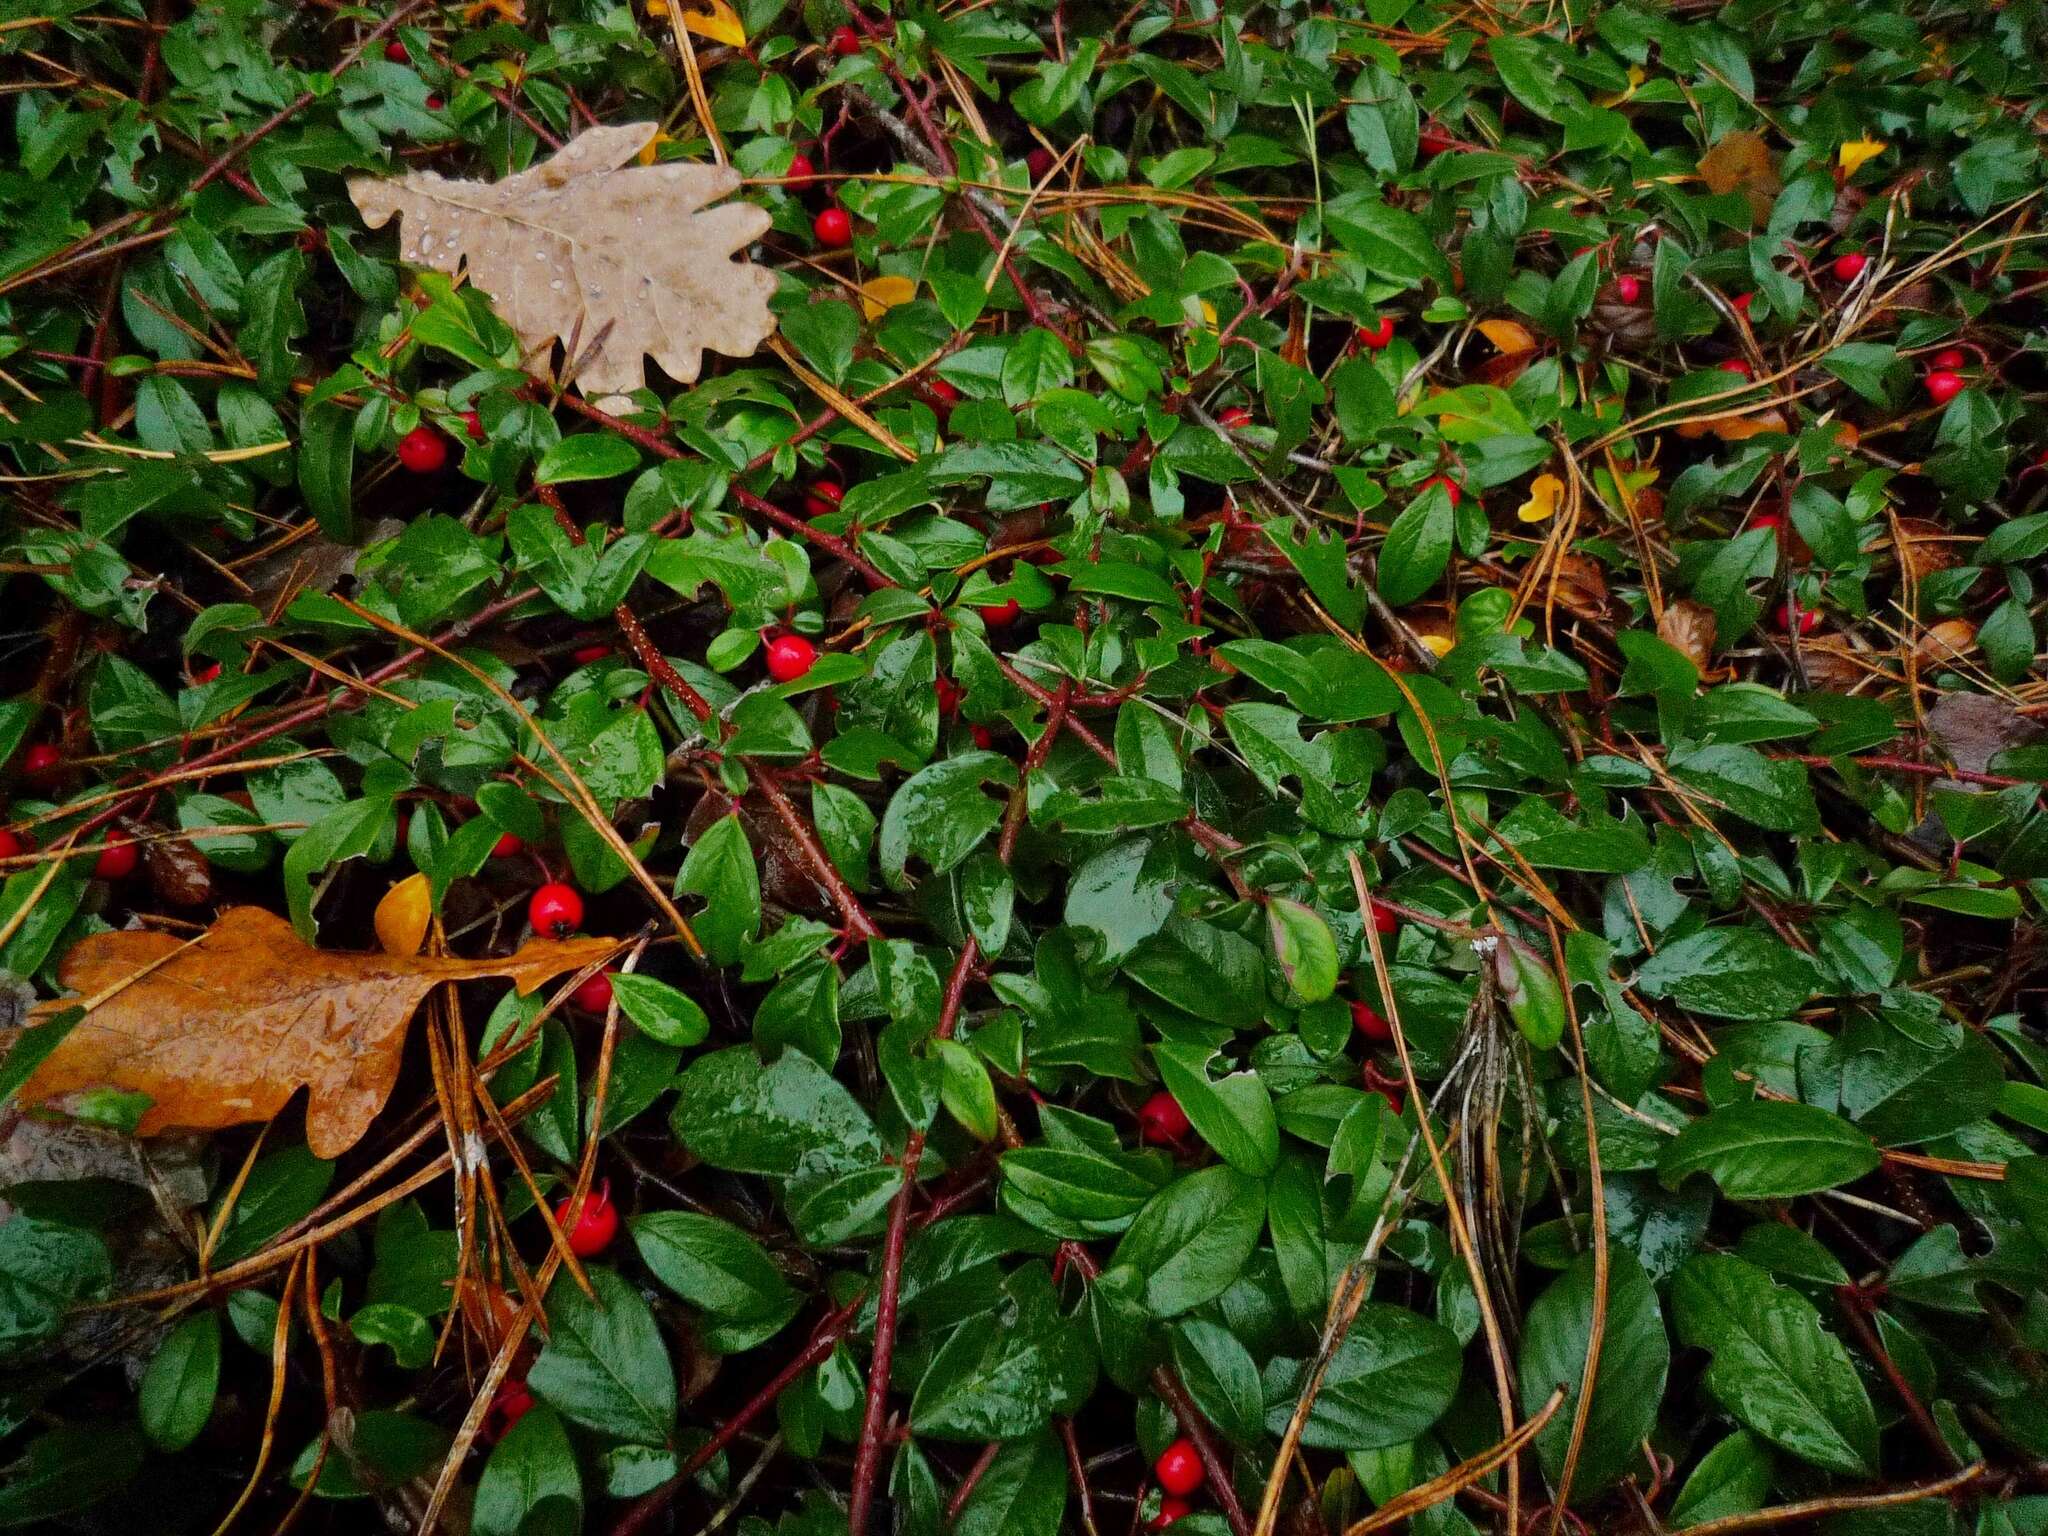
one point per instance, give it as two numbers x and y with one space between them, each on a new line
1015 768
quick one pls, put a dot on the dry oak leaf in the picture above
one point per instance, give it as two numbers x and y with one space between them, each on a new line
223 1030
1688 627
618 261
1740 159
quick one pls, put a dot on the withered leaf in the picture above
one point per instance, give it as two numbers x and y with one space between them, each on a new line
618 261
1688 627
225 1029
1742 160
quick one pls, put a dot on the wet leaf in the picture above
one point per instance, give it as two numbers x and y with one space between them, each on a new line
223 1030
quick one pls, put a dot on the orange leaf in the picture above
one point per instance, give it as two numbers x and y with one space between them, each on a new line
721 24
402 916
1507 335
224 1030
879 295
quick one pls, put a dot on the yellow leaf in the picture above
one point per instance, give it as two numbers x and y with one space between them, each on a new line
879 295
1541 506
401 917
512 12
1438 645
1853 156
657 8
1636 76
650 152
1507 335
721 24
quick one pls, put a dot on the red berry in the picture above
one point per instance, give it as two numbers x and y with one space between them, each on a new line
1807 619
1772 521
949 694
1450 487
589 1224
584 655
1376 336
984 738
508 844
996 615
473 424
790 657
800 171
823 498
1039 162
1951 357
1237 416
1170 1510
556 910
1434 141
594 993
206 674
942 395
1162 1122
10 845
1370 1024
1943 385
1628 289
1179 1468
844 41
1737 366
434 103
423 450
508 1407
41 760
1741 302
1850 267
1384 921
118 859
834 227
1389 1088
395 52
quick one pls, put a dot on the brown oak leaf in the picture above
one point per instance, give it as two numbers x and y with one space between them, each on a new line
618 261
1741 160
223 1030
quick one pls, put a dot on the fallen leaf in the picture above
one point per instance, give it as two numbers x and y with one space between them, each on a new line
511 12
1734 429
650 152
879 295
1742 161
1854 155
402 916
1689 628
1948 641
1636 76
615 260
1508 336
1926 546
1581 585
1544 493
222 1031
178 872
721 24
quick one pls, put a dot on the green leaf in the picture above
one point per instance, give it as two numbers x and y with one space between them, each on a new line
720 868
1023 1492
531 1484
1304 949
659 1011
1781 1374
1418 547
1731 973
1005 1376
1234 1114
586 456
1221 1377
65 1469
1635 1357
175 1398
1769 1150
735 1113
1393 1376
713 1265
605 1365
1193 1238
44 1268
